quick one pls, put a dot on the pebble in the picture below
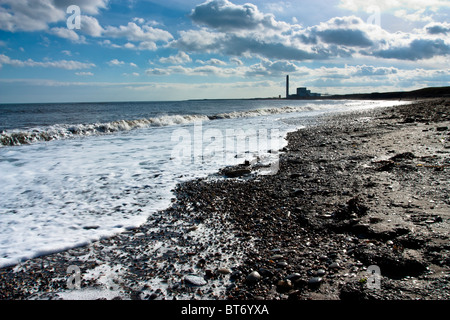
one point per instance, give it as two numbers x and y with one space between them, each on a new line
315 281
284 285
195 280
320 272
253 277
293 276
282 264
276 257
334 265
224 271
265 273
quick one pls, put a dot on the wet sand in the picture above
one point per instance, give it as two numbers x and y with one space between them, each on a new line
353 192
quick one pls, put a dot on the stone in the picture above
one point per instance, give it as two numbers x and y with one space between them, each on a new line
334 265
315 281
253 277
265 273
276 257
293 276
195 280
235 172
224 271
282 264
320 272
284 285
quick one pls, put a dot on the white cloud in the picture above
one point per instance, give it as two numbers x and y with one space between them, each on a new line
226 16
415 16
67 34
236 61
116 62
61 64
212 62
135 33
244 31
180 58
84 74
91 26
147 45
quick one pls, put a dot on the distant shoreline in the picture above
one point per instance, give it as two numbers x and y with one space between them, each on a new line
425 93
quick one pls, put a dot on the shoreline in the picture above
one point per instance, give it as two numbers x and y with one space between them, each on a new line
342 201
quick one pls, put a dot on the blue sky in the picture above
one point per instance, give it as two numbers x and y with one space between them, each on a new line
146 50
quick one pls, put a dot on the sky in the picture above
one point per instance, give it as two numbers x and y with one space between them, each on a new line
147 50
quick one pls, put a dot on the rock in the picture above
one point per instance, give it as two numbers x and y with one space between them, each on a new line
209 274
315 281
402 156
284 285
224 271
320 272
253 277
201 263
235 275
265 273
195 280
334 265
282 264
235 172
276 257
441 128
293 276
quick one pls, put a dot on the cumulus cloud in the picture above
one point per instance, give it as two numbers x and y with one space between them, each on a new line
236 61
91 26
135 33
213 62
438 28
417 49
180 58
67 34
116 62
374 71
226 16
244 31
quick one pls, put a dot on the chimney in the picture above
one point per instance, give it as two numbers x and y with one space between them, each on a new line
287 87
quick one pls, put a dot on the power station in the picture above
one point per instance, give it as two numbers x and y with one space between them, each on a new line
302 92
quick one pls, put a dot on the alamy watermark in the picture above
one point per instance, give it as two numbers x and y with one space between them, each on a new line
74 279
374 280
74 20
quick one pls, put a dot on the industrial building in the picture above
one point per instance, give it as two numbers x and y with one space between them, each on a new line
302 92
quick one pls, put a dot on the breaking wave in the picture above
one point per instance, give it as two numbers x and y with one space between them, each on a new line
63 131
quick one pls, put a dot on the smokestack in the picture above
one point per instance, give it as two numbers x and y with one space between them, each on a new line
287 87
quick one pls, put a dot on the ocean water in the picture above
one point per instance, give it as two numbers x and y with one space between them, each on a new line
71 174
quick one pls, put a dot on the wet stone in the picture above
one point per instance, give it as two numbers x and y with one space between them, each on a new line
253 277
195 280
315 281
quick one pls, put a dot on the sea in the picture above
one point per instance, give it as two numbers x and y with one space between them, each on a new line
74 173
